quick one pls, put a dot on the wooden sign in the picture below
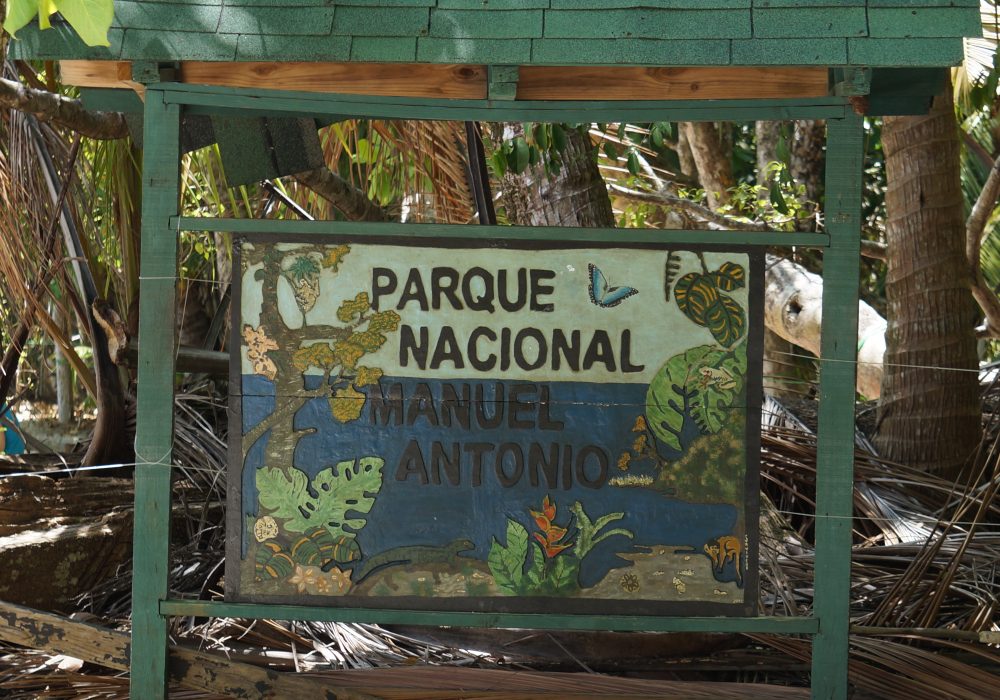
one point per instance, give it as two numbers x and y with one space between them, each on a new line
495 425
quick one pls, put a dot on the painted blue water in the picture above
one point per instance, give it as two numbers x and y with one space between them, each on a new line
410 512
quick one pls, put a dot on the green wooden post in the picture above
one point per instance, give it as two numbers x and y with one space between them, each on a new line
154 425
835 452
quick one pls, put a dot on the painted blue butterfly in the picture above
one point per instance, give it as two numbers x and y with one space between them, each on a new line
603 294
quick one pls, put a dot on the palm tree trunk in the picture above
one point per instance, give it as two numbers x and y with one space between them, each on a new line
577 196
929 413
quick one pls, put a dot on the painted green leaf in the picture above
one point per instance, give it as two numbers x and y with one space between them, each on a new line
564 573
682 291
698 298
507 563
665 398
348 486
717 392
727 320
90 18
729 276
535 576
590 531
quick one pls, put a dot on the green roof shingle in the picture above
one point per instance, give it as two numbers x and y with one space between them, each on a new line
529 32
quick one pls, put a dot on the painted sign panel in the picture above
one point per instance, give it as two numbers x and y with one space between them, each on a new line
504 426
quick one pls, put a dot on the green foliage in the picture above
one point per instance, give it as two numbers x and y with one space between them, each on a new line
538 144
90 18
348 486
530 571
507 562
590 531
703 382
711 470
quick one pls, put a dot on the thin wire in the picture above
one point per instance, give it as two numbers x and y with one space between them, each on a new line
882 364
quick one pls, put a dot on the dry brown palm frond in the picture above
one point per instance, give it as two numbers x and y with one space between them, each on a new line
416 169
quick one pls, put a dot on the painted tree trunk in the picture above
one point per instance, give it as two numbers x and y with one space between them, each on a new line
929 414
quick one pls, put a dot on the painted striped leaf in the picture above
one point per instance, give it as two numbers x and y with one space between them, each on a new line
698 298
729 276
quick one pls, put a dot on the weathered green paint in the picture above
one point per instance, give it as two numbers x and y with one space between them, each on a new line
622 623
503 82
216 100
529 32
835 450
155 405
373 229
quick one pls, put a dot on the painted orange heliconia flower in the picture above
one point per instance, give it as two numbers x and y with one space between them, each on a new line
550 532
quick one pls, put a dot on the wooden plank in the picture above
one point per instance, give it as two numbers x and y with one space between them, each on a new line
835 450
598 83
40 630
188 667
620 623
99 74
495 236
470 81
412 80
154 411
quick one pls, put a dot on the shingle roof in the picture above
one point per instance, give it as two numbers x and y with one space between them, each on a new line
529 32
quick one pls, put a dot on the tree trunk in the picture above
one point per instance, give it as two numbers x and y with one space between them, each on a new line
767 136
714 162
929 415
793 306
807 157
577 196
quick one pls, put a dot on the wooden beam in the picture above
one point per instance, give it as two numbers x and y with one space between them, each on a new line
626 83
471 82
390 79
99 74
190 668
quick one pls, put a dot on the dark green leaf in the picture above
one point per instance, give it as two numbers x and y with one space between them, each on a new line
777 198
633 163
542 136
558 137
610 151
533 155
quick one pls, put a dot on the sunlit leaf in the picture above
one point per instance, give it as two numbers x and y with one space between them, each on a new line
90 18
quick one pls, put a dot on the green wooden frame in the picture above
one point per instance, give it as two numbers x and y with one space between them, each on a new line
161 224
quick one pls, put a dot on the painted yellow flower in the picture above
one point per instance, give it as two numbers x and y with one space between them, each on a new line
339 581
304 578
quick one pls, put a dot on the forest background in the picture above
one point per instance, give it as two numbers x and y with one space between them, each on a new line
70 187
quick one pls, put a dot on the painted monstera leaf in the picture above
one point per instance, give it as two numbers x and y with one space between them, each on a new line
349 486
700 298
718 386
701 382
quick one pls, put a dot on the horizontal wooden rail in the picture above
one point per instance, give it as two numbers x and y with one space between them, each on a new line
458 81
204 99
617 623
500 236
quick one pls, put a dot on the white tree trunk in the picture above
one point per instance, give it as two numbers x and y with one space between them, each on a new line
793 303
